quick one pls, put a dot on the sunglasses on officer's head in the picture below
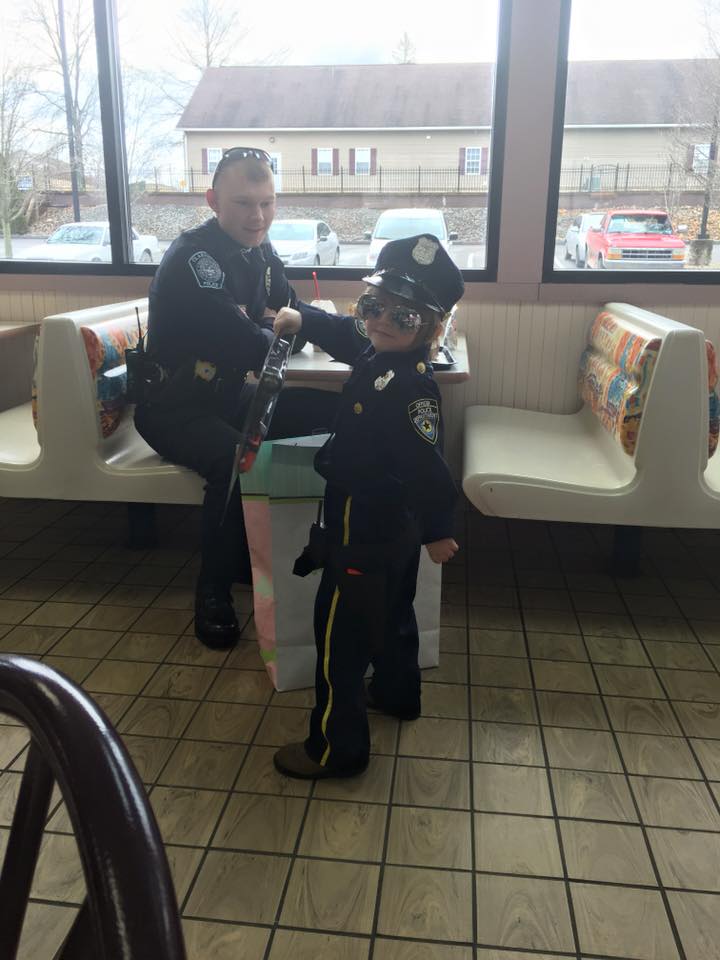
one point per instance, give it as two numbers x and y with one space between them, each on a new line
405 318
241 153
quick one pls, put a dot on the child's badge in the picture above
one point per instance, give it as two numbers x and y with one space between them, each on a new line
425 416
382 381
424 251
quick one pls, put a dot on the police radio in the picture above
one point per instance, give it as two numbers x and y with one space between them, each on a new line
141 372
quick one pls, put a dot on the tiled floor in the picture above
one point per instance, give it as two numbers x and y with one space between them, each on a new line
560 795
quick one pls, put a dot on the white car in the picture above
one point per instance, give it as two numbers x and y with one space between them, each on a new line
395 224
575 239
90 242
302 243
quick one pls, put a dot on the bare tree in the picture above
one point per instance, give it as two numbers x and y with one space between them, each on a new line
16 94
404 52
81 112
149 132
210 34
693 145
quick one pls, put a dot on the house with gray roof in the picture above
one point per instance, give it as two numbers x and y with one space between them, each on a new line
366 121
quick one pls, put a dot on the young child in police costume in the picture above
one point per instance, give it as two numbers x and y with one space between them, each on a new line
388 491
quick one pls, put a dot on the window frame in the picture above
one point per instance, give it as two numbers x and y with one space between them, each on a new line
217 150
329 152
358 151
478 163
116 179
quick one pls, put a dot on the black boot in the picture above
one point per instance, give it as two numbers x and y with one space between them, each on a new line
215 622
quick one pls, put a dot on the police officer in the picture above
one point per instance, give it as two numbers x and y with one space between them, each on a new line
207 327
388 491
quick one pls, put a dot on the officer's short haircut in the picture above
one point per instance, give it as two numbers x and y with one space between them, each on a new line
257 171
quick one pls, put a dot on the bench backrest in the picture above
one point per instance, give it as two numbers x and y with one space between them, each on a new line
617 367
103 342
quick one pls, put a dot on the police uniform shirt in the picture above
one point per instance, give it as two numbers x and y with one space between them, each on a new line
208 297
388 435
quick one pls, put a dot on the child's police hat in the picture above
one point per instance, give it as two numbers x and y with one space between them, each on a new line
419 269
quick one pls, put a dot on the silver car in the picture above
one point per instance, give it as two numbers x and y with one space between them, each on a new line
302 243
89 241
575 240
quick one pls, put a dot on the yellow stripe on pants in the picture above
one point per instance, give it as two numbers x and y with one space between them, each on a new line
328 635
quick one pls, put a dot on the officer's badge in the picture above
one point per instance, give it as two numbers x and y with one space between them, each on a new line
425 416
207 270
384 380
424 251
268 281
360 327
205 370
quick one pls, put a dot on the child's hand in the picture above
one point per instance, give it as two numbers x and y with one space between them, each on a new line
442 550
288 321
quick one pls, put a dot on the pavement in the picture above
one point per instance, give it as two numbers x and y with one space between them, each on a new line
468 256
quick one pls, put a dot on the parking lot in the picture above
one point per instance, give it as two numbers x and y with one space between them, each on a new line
468 256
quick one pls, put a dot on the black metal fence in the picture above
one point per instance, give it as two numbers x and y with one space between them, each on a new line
669 177
433 180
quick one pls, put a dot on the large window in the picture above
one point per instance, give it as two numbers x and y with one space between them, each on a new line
638 178
358 123
52 183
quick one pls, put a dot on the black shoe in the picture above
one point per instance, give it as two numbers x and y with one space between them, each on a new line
401 713
215 622
292 761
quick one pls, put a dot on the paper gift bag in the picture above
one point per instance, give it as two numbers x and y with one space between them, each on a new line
280 502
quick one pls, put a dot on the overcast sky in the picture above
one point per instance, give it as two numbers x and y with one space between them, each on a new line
368 32
294 32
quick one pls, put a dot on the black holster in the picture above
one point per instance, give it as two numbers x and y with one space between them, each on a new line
362 571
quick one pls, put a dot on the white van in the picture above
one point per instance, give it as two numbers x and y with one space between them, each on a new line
395 224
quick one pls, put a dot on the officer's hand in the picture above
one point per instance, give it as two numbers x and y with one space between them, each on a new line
288 321
442 550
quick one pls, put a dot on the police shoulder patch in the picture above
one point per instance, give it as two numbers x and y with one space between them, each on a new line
360 327
206 270
425 418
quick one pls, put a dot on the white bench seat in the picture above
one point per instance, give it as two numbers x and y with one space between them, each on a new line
524 464
68 457
18 437
540 441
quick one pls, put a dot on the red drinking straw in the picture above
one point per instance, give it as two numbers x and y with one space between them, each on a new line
317 288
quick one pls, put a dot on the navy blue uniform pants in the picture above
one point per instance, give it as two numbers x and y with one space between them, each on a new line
346 631
197 437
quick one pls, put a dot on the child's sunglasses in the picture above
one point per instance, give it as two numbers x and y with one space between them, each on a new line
405 318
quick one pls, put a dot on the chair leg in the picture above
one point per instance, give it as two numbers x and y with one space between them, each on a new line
142 530
626 553
80 942
23 848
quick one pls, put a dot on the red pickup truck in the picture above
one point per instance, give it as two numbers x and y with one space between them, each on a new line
635 240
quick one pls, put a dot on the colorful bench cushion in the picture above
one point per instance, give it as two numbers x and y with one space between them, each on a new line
714 429
105 345
615 372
